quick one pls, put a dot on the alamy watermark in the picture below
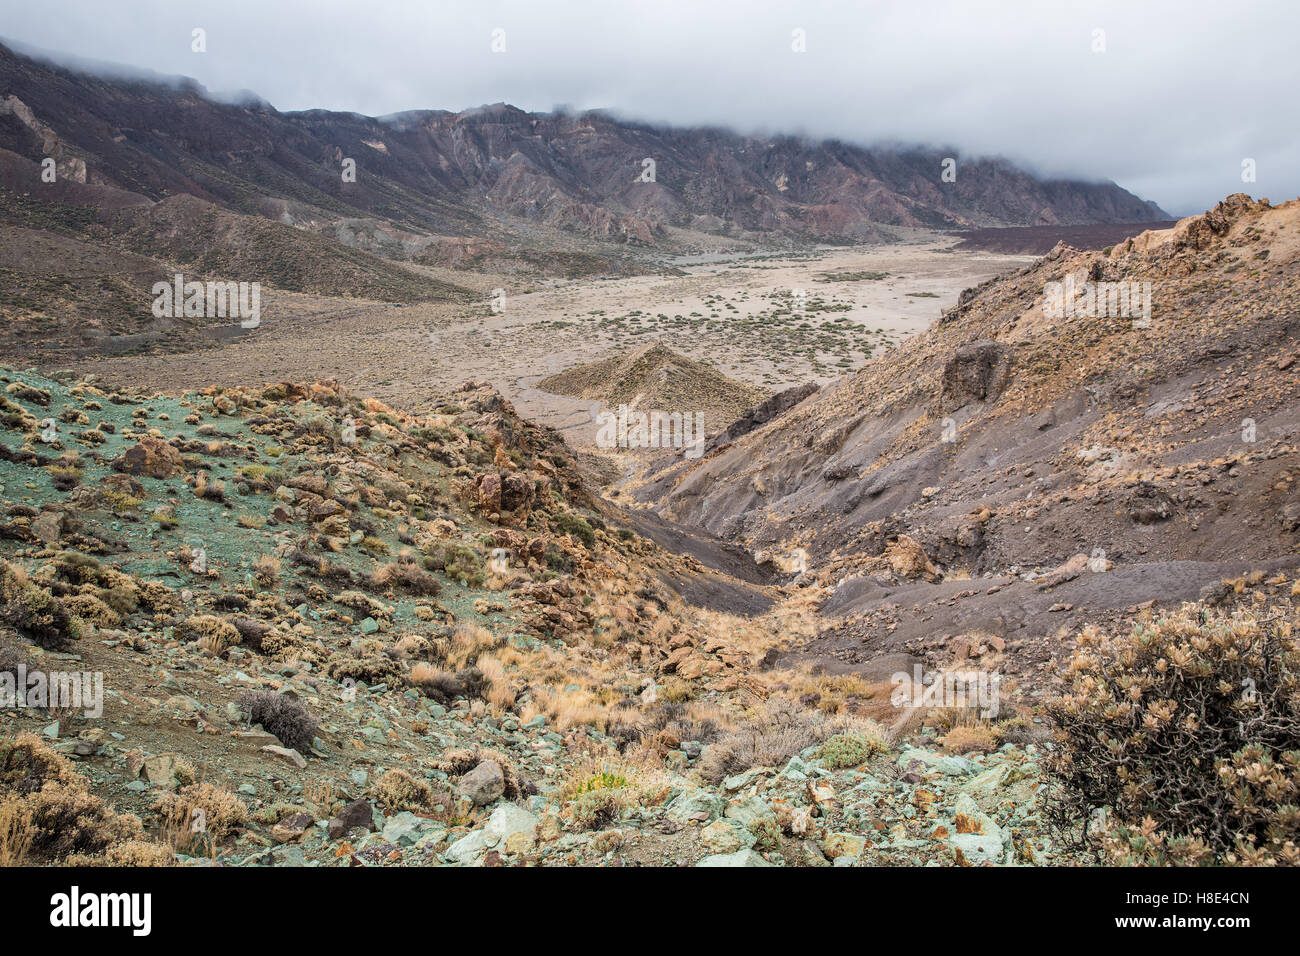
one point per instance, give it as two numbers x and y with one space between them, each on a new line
53 690
208 300
961 690
1129 300
629 428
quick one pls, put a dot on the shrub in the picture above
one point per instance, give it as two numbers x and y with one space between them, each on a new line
208 628
48 800
968 738
1188 730
576 526
850 750
397 790
92 609
281 715
11 658
34 612
200 811
405 576
597 809
775 735
15 832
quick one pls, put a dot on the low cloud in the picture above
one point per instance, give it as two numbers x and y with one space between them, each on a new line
1168 98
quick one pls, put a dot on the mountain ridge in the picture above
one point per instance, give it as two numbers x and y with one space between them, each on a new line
492 169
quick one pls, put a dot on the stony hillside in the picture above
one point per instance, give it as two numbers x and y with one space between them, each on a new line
333 633
1014 475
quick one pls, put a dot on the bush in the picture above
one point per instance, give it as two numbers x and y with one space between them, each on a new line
209 627
576 526
47 800
200 812
281 715
34 612
397 790
775 735
1188 730
969 738
850 750
597 809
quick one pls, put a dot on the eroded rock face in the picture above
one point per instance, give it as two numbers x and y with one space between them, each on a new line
977 372
150 456
517 494
761 414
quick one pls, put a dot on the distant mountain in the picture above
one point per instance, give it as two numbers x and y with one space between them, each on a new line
498 171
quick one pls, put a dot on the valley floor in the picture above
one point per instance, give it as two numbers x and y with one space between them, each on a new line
733 311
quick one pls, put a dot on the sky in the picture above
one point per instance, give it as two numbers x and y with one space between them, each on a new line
1168 98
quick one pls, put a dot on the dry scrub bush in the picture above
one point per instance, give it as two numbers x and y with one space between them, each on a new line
405 575
64 821
1188 730
397 790
15 832
209 628
266 568
199 813
969 738
281 715
774 735
34 612
466 643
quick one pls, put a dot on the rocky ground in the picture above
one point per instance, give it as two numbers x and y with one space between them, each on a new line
337 631
494 670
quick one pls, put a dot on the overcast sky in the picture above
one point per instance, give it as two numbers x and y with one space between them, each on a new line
1183 92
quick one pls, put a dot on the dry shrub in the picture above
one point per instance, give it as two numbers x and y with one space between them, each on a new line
776 733
397 790
412 645
132 853
208 627
27 764
499 692
61 817
199 813
1188 729
467 642
444 686
266 568
11 658
15 832
281 715
34 612
91 609
969 738
405 575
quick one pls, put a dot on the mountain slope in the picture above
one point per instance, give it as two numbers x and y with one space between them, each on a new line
496 169
1077 466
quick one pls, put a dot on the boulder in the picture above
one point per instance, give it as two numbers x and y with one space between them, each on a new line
511 828
483 784
149 456
739 858
359 813
287 754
